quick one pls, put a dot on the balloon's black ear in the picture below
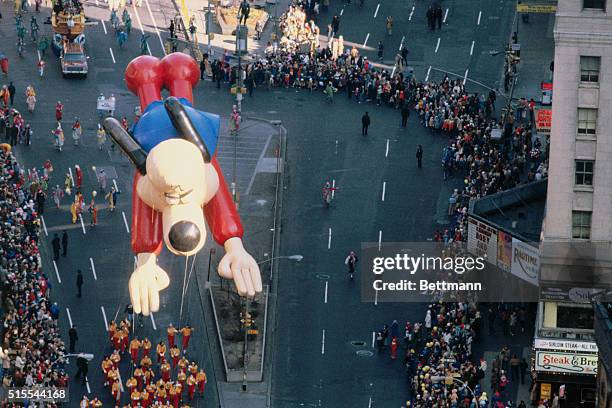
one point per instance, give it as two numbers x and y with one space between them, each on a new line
126 142
184 125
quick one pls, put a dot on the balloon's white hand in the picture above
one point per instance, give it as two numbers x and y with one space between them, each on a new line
145 284
239 265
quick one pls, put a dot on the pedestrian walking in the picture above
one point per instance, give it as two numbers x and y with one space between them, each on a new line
57 194
102 179
419 156
523 366
79 282
351 261
438 16
171 335
515 364
77 131
59 111
171 28
335 25
82 368
365 124
93 211
404 53
40 198
79 177
11 90
405 112
73 336
65 243
431 18
55 244
394 348
101 136
389 25
381 50
186 333
111 197
41 67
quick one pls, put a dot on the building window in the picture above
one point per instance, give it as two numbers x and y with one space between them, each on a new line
574 317
581 224
594 4
589 69
584 172
587 121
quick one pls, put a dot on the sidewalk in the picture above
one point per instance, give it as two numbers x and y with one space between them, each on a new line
255 149
537 51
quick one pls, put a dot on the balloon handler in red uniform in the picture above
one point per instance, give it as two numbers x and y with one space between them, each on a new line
178 181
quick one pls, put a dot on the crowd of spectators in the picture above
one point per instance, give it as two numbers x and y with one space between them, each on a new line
31 343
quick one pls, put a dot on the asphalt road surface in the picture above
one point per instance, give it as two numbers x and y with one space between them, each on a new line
382 195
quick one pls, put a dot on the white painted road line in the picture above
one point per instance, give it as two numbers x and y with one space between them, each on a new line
127 227
155 26
82 224
105 319
366 40
428 72
370 403
71 178
384 190
87 383
411 13
329 239
153 322
437 45
401 43
93 268
387 149
138 19
69 317
373 339
341 12
376 298
445 15
333 187
379 239
38 52
394 68
326 286
479 15
472 48
57 272
112 55
115 185
120 382
323 343
104 27
465 76
42 219
376 12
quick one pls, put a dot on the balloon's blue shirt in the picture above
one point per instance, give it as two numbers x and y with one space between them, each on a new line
155 126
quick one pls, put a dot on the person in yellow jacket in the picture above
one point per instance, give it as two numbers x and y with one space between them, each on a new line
201 378
146 346
175 353
112 328
131 384
171 335
191 386
183 363
135 397
115 358
139 376
95 403
165 371
116 391
74 212
107 365
135 345
146 362
186 333
160 349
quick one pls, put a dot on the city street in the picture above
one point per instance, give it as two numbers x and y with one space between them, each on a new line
323 347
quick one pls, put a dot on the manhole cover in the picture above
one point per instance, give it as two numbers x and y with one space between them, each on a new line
322 276
358 343
364 353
